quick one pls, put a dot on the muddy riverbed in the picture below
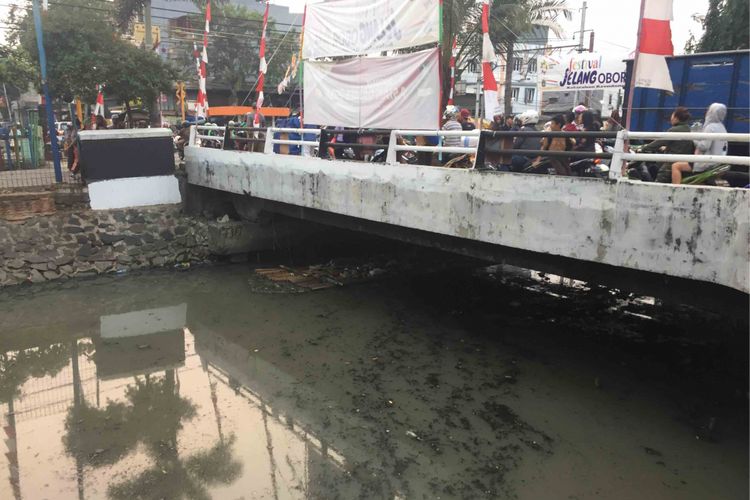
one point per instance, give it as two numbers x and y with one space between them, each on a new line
499 383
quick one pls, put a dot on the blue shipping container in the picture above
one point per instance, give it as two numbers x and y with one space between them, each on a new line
699 80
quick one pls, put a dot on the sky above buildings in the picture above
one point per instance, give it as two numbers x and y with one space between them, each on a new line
616 24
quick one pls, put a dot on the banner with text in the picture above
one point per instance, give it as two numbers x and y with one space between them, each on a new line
354 27
585 71
375 92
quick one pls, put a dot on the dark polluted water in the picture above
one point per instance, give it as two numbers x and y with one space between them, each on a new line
453 384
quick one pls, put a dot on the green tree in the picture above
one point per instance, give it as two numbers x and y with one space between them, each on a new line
233 50
137 74
126 10
510 20
17 72
727 26
77 49
84 50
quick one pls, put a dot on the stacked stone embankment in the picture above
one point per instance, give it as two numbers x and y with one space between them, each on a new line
86 243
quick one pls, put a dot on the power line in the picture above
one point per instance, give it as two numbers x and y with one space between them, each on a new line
217 15
96 9
268 62
222 16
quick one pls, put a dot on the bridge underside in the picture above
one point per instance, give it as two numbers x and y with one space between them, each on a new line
640 236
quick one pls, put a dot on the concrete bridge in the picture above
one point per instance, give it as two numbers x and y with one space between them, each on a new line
691 239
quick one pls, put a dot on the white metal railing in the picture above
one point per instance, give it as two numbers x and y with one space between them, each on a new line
271 142
394 147
621 156
197 135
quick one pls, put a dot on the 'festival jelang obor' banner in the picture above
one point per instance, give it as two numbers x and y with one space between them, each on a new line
356 27
585 71
396 92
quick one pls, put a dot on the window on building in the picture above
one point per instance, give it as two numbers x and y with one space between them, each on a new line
517 64
473 67
515 93
528 95
532 65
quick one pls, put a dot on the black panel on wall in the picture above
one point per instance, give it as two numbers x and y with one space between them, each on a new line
104 159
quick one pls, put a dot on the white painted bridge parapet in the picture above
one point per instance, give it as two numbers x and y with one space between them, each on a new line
695 232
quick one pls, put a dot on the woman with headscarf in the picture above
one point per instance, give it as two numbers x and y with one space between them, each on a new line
714 124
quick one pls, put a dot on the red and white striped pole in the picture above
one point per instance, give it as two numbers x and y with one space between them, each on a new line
454 52
201 107
261 69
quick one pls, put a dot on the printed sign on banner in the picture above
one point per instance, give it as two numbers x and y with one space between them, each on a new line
584 71
375 92
356 27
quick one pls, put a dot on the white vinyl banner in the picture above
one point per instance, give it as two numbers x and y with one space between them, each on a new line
375 92
356 27
583 71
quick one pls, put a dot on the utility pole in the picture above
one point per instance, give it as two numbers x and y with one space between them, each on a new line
584 7
45 90
583 27
478 103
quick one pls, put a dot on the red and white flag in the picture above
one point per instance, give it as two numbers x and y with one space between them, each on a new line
488 58
262 69
99 108
201 105
654 43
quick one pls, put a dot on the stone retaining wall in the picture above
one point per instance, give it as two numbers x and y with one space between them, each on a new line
86 243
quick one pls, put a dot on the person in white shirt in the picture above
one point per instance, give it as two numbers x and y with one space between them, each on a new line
714 123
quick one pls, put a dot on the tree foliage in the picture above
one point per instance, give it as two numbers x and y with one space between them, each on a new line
138 74
77 51
233 50
510 20
84 50
126 10
727 26
17 71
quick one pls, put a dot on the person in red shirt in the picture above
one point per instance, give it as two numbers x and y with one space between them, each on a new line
570 123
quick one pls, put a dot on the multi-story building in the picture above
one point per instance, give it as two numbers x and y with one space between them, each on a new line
525 85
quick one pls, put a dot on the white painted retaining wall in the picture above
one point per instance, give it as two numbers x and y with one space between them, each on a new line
692 232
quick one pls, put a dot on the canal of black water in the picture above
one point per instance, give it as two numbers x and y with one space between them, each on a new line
464 383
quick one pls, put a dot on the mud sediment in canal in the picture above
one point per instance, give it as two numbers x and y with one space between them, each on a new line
454 384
